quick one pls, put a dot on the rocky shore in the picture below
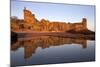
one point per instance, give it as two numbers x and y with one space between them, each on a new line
69 34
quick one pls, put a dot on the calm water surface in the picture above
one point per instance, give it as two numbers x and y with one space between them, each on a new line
50 50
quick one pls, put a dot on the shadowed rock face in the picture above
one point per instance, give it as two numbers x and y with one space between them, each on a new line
14 36
31 44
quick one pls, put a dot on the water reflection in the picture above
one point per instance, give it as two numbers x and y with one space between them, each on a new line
31 44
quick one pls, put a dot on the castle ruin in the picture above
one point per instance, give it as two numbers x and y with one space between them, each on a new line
31 23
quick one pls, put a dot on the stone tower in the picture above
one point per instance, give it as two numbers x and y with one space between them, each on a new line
84 22
28 16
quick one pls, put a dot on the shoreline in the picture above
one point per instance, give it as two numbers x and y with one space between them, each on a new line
56 34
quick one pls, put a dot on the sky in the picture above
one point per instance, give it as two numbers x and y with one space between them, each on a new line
56 12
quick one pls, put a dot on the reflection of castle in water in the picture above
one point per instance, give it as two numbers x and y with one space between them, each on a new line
30 45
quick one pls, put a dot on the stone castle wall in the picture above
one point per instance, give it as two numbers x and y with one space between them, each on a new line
30 18
31 23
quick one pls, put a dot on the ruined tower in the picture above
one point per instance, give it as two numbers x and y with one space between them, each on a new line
84 22
28 16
